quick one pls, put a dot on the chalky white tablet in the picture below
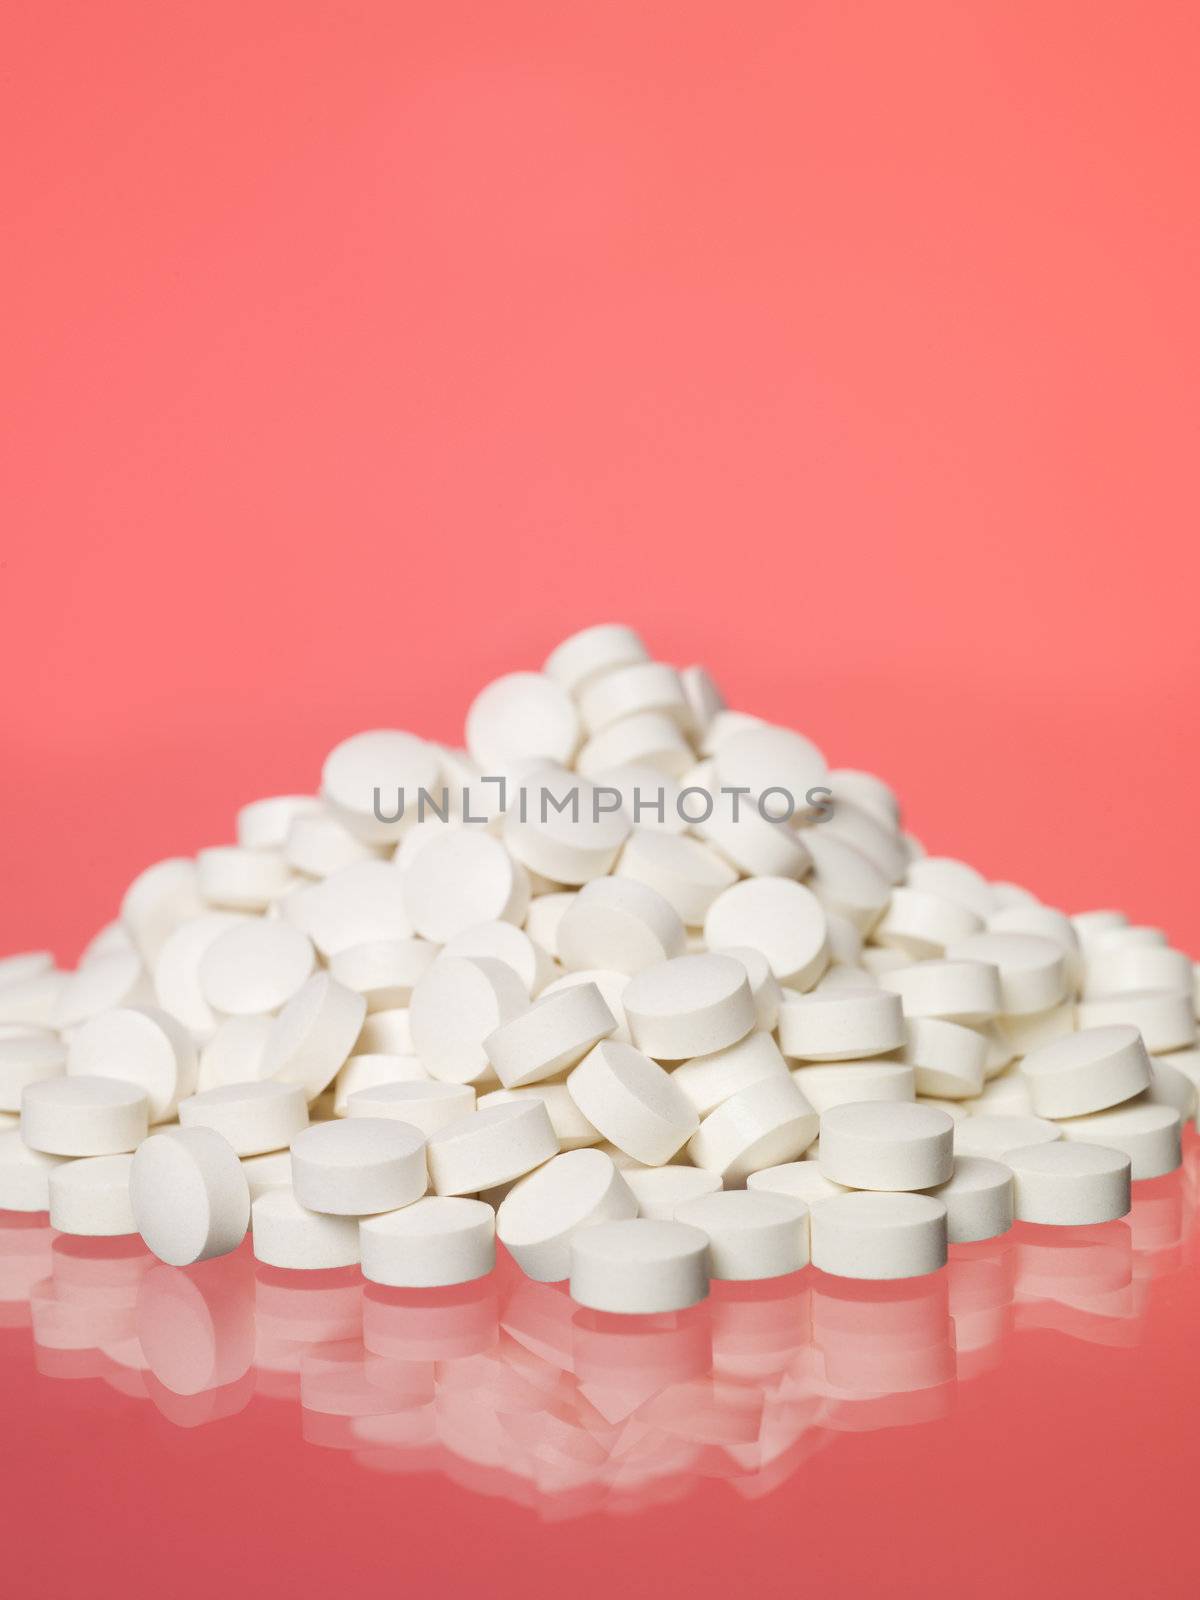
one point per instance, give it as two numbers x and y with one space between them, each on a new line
1149 1135
626 691
708 1079
563 831
1137 966
264 824
845 882
639 1266
689 1006
571 1128
24 1174
234 1053
35 1001
354 905
618 925
978 1199
158 900
649 799
1069 1185
437 1241
255 967
588 655
757 845
365 779
319 845
386 1033
461 878
254 1117
953 880
374 1071
424 1106
772 764
77 1116
868 793
648 739
874 1145
750 1234
241 880
1169 1086
268 1172
1091 925
384 971
105 983
685 872
25 1059
140 1045
503 941
948 1059
882 845
552 1035
358 1166
632 1102
994 1133
314 1034
190 1197
704 698
781 919
542 920
25 964
519 716
1165 1020
764 986
767 1123
458 1004
1032 968
1037 1028
878 1236
845 1083
1087 1071
660 1190
840 1024
803 1180
287 1234
177 984
490 1147
953 991
923 924
542 1212
91 1197
612 986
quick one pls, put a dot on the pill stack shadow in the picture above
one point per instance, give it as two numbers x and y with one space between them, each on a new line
656 999
507 1387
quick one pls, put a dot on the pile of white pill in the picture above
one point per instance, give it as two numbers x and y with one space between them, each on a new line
634 984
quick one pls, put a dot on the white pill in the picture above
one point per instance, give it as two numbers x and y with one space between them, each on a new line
26 964
287 1234
764 986
751 1235
708 1079
76 1116
760 846
874 1145
36 1001
458 1004
91 1197
978 1199
639 1266
588 655
803 1180
266 1173
627 691
1091 925
314 1034
1087 1071
649 799
424 1106
105 983
1169 1086
760 1126
612 986
320 845
25 1059
953 991
765 760
845 881
995 1133
264 824
1037 1028
648 739
371 1071
571 1128
690 1006
190 1197
552 1035
234 1053
358 1166
879 1236
1033 969
1137 966
953 880
687 874
617 925
502 941
564 830
386 1033
177 985
850 1082
882 845
355 905
868 793
781 919
24 1174
1069 1184
876 960
948 1060
632 1102
660 1190
542 920
490 1147
436 1242
542 1212
241 880
461 878
255 967
704 698
364 778
522 716
384 971
840 1024
1149 1135
924 925
1166 1020
140 1045
158 900
253 1117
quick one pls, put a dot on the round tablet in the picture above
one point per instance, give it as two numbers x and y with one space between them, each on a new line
687 874
659 1190
612 986
618 925
458 1004
461 878
803 1180
886 849
1137 966
319 845
707 1080
953 991
1148 1134
433 1243
923 925
354 905
588 655
1166 1021
109 981
1087 1071
91 1197
386 1033
254 1117
314 1034
690 1006
241 880
357 1166
78 1116
1032 968
632 1102
840 1024
948 1059
190 1197
522 716
177 985
542 1212
26 964
490 1147
757 845
995 1133
1170 1086
24 1174
750 1234
868 792
649 799
255 966
848 1082
765 760
267 1173
545 913
552 1035
874 1145
627 691
1069 1184
424 1106
264 824
648 739
384 971
639 1266
764 986
371 777
978 1199
845 881
25 1059
503 941
140 1045
234 1053
781 919
953 880
767 1123
287 1234
878 1236
562 830
161 897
